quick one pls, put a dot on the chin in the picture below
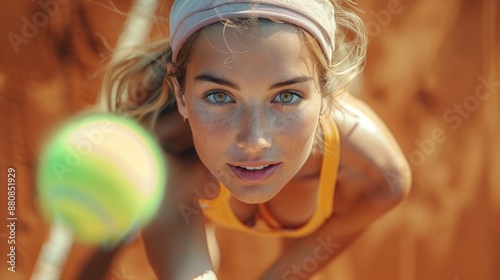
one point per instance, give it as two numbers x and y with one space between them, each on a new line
252 200
254 194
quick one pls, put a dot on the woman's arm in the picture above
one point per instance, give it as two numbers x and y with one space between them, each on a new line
328 242
175 240
98 264
373 178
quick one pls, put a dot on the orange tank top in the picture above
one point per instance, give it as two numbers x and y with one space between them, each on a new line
219 211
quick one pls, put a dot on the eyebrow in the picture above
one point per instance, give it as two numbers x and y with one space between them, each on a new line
217 80
292 81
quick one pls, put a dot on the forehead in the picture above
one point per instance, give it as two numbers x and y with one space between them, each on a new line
270 45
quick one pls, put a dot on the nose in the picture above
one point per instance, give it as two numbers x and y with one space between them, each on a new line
254 131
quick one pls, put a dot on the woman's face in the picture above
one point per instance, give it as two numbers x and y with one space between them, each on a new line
253 105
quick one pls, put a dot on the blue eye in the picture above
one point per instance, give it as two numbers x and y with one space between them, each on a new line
219 98
287 97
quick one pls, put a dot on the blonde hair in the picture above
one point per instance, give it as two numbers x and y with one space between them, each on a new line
139 85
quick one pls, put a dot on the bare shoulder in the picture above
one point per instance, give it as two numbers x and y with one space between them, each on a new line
372 166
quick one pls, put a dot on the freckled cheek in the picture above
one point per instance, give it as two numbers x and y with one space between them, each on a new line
295 131
210 133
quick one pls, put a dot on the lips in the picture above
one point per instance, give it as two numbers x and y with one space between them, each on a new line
254 173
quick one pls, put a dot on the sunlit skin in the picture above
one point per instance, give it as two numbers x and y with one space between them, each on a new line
251 101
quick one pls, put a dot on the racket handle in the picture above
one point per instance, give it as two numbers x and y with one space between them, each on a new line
208 275
53 254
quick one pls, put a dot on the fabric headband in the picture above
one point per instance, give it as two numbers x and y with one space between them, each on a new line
315 16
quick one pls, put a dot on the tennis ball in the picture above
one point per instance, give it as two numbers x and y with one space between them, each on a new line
102 175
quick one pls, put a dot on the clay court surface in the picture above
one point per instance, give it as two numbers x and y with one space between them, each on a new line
425 58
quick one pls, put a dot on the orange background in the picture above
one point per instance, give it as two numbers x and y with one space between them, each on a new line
425 58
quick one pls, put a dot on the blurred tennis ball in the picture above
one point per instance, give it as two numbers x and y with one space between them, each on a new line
103 176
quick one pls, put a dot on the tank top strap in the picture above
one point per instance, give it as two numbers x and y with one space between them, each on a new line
329 168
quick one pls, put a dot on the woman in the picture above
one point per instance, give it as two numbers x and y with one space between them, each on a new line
260 132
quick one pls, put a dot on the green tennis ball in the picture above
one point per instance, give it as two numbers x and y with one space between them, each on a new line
103 176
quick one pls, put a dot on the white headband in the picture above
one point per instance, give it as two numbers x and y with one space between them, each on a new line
315 16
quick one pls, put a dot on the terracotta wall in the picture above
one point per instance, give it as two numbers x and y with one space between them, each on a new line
432 74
